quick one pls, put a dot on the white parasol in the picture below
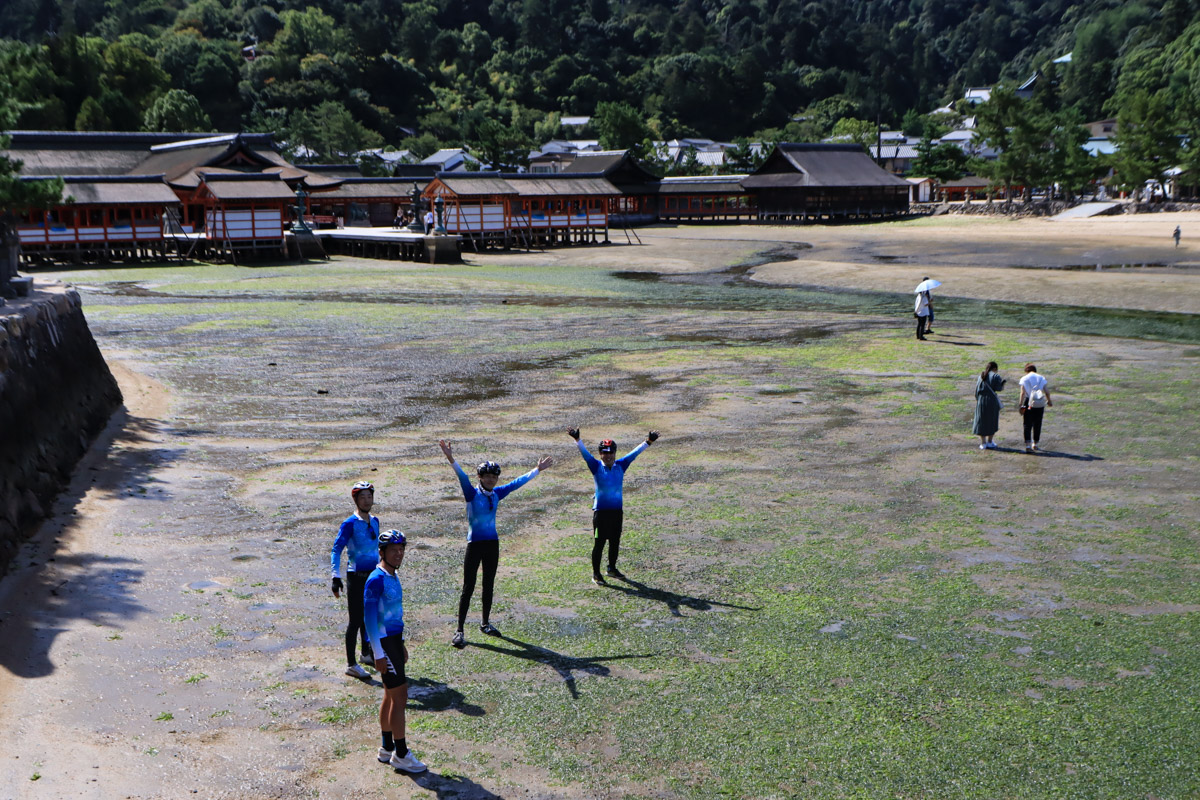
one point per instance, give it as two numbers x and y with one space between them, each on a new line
925 286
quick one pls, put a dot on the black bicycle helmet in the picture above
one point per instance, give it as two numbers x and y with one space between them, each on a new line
488 468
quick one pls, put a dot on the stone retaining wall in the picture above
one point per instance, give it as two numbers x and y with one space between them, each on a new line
56 395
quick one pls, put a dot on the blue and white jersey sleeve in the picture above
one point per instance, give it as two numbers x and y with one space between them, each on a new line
464 480
360 540
510 487
589 459
383 607
628 458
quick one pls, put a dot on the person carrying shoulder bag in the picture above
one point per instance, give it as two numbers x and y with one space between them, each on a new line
1034 401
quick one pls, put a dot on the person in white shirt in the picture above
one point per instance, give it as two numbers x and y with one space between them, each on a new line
429 220
1034 401
921 312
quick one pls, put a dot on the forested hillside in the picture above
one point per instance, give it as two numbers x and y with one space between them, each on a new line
342 75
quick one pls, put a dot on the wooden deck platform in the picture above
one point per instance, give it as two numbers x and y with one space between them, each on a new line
390 243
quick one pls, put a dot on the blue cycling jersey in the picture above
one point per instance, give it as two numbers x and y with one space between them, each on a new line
383 607
609 480
361 542
481 504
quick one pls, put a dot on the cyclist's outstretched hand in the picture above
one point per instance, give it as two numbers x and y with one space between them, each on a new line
651 437
573 433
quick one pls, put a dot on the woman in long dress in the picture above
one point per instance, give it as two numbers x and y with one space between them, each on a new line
988 405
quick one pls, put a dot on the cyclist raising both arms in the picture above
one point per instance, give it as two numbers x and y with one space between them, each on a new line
483 542
608 507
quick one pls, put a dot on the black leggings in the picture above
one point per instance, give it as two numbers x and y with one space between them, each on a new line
355 583
921 327
1033 423
487 554
606 527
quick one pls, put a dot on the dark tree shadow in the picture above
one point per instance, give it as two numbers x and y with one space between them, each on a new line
38 599
565 666
942 340
451 787
672 600
429 695
37 605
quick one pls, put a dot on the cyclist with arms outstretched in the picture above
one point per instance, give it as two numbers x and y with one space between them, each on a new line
483 541
608 510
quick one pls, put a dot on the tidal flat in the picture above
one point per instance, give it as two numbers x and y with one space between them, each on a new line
832 593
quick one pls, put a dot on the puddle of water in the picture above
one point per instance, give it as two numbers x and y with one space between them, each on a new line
246 557
201 585
637 275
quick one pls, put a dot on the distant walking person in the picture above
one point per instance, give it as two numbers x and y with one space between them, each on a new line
358 536
921 312
1034 401
429 220
608 511
988 405
483 542
1176 235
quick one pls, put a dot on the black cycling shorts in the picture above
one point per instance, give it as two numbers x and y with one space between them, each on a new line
393 651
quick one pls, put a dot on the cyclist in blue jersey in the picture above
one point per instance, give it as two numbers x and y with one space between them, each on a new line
357 536
483 542
608 507
383 602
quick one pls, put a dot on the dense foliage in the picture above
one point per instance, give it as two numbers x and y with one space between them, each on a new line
339 75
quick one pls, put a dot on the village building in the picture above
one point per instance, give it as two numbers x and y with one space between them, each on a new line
492 209
715 198
800 182
637 199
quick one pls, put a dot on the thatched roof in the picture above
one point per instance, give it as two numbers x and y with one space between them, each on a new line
90 153
475 184
116 190
368 189
820 165
560 185
224 186
716 184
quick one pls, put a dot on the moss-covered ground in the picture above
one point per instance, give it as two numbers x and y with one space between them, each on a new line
831 593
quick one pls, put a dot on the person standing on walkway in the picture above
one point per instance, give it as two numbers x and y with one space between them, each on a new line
483 542
429 221
608 512
1035 399
384 615
357 535
988 405
921 312
1176 235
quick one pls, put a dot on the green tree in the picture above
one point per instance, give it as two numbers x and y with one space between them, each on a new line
620 126
858 131
91 116
330 131
16 195
499 146
943 162
1146 141
176 111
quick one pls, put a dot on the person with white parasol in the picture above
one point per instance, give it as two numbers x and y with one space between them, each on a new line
923 310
